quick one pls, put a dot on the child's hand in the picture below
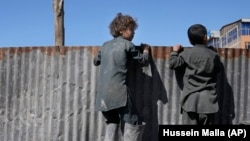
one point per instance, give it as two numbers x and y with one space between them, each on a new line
145 47
177 48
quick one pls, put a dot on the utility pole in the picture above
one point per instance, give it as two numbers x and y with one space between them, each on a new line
58 7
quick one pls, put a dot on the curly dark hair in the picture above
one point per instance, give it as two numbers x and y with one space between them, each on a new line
122 22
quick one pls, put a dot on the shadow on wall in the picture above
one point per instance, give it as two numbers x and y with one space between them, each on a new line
149 89
226 112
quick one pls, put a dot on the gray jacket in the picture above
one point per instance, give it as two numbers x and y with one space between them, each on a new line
201 66
113 58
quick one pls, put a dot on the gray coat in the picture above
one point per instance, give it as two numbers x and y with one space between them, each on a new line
113 58
201 66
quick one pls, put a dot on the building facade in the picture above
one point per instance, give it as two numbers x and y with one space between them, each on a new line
232 35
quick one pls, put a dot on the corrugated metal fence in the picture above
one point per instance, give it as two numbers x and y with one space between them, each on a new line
48 93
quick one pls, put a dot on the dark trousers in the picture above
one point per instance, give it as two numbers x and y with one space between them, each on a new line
192 118
128 114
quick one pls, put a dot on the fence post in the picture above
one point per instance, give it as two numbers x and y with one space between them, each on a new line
58 7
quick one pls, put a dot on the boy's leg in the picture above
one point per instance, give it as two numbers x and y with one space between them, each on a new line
206 119
189 118
129 113
133 132
133 128
112 121
111 116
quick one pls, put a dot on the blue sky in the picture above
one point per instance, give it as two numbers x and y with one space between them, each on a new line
161 22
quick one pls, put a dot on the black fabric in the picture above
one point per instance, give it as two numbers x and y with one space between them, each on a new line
128 114
192 118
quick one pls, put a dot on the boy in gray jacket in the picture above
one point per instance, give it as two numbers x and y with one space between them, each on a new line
113 94
201 65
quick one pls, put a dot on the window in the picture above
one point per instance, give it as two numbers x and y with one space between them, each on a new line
224 41
247 45
232 35
215 42
245 29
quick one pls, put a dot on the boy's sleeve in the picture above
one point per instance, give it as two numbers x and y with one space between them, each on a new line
176 60
97 59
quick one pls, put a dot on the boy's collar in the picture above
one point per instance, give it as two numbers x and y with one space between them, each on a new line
200 45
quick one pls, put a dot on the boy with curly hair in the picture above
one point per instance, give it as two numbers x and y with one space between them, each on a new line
113 95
